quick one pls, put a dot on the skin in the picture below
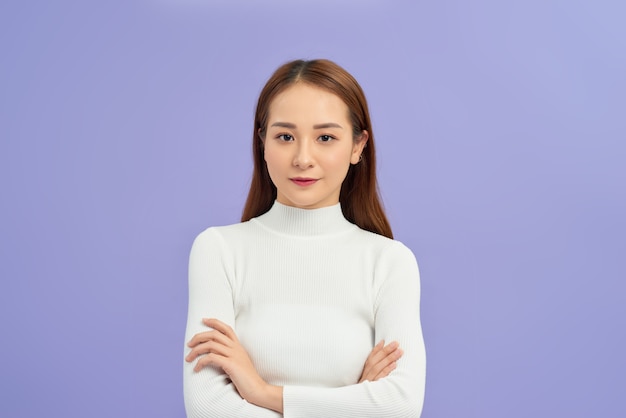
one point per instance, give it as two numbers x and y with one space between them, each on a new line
309 135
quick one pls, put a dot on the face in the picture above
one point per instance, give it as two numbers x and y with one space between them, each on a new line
309 146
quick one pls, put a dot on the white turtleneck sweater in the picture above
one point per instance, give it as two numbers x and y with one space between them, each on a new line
308 294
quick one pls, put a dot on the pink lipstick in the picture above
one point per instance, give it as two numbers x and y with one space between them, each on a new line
303 182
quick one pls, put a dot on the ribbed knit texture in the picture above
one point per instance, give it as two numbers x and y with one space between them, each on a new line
308 294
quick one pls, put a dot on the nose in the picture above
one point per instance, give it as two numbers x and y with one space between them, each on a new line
303 157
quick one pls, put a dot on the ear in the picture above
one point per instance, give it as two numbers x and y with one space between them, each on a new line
359 145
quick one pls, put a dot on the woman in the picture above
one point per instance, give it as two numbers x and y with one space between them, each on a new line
285 307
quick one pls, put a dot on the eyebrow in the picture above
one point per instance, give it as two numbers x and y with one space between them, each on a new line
318 126
327 125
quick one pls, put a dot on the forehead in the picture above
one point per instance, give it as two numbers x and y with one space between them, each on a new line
302 101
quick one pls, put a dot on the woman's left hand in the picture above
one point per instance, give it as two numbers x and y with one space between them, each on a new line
221 348
381 361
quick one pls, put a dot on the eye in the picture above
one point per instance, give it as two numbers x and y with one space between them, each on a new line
325 138
285 137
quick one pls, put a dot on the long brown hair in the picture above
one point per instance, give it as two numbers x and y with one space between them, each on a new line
359 196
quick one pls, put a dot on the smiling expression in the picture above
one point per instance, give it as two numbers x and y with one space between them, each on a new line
309 146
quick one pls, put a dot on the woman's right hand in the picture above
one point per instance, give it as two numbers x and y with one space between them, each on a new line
381 361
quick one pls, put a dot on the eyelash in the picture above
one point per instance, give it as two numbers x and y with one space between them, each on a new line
282 137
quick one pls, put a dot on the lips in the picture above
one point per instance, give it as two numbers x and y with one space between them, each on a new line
303 182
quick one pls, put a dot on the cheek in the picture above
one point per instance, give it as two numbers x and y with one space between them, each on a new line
339 161
273 158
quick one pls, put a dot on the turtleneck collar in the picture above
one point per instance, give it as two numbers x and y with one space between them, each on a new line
290 220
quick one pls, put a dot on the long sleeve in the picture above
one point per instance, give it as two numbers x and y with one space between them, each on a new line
397 317
308 294
209 393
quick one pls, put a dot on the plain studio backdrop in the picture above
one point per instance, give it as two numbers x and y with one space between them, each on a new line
126 128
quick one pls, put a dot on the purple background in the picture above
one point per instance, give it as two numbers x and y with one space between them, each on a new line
125 130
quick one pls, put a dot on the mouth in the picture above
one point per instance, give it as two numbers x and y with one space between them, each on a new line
303 181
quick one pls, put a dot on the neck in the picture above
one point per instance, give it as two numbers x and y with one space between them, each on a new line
290 220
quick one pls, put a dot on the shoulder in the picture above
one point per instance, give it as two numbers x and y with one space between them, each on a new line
226 232
393 263
385 247
222 239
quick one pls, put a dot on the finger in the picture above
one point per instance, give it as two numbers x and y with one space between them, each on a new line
208 348
386 371
211 359
203 337
220 326
211 346
381 354
385 366
376 349
371 371
199 338
391 347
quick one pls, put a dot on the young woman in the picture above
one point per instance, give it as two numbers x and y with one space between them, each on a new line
285 308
